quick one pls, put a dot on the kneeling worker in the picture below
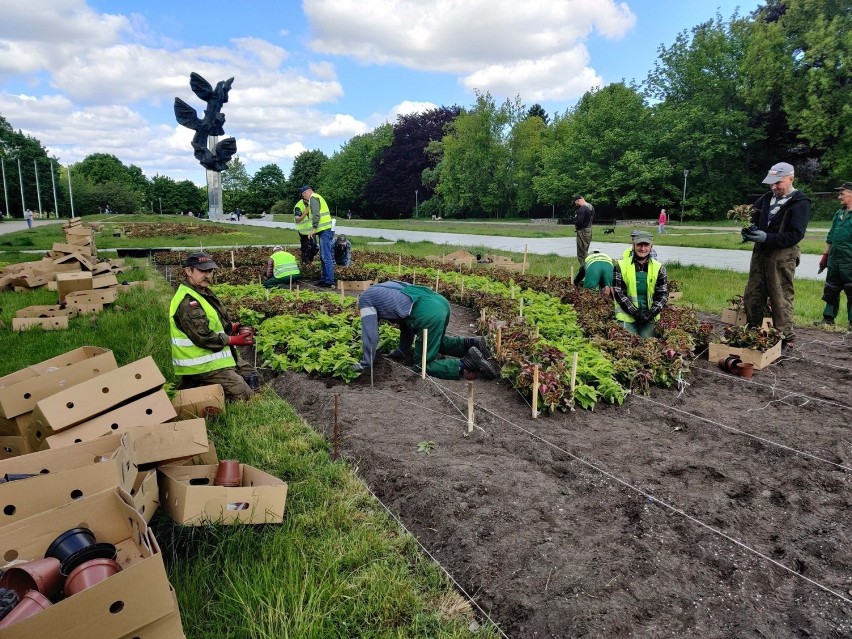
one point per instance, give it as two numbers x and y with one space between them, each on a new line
281 269
639 287
203 338
598 273
414 308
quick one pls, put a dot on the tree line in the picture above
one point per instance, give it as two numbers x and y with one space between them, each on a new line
726 100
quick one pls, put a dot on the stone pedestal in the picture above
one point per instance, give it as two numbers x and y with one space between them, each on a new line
214 186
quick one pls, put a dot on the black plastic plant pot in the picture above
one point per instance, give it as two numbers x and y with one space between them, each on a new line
94 551
17 476
69 542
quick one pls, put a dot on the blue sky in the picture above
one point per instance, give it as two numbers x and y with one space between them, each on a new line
100 76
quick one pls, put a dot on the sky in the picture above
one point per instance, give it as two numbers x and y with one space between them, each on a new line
101 76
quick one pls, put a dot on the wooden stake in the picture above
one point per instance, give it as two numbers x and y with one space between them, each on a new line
573 374
399 267
462 288
437 277
297 291
482 314
414 276
548 275
470 407
535 332
521 313
524 267
340 286
572 273
423 359
335 431
291 283
499 341
233 267
535 392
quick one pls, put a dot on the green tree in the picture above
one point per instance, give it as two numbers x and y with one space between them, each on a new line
526 143
101 180
536 110
15 147
235 185
266 187
344 177
306 170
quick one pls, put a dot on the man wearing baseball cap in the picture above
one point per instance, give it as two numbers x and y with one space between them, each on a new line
203 337
838 259
639 287
321 228
583 219
779 220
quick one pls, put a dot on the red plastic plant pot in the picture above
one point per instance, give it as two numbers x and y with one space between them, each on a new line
41 574
32 603
90 573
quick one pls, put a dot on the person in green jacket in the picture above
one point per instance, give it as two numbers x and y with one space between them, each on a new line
281 269
837 258
203 337
639 287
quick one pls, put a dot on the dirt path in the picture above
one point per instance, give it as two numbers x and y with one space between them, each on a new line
613 523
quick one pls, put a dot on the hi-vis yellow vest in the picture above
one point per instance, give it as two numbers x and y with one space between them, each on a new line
304 227
187 358
325 214
598 257
628 275
284 265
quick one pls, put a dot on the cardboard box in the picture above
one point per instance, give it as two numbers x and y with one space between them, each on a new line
96 396
204 401
51 461
46 323
104 281
17 426
732 316
20 391
86 262
137 596
143 284
189 497
760 359
66 267
14 447
71 282
85 309
169 627
146 494
154 408
100 296
59 310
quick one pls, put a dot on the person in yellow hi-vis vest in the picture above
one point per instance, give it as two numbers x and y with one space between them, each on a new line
639 287
281 269
321 228
302 218
203 338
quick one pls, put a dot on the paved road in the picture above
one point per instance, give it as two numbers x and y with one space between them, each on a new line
10 226
565 246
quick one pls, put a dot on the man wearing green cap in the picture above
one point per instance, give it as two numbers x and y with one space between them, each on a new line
838 259
639 287
203 337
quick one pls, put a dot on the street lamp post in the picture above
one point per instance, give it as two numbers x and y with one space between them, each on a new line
683 199
416 202
161 205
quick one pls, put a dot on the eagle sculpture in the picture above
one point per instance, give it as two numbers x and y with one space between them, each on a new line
212 123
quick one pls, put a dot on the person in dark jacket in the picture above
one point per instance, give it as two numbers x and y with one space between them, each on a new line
583 219
837 258
779 221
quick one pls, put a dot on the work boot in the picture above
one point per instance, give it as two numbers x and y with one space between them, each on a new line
787 347
478 342
405 358
825 321
476 362
253 380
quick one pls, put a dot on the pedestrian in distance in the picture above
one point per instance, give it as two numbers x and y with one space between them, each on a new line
662 221
415 308
583 218
203 337
321 228
281 269
28 216
779 220
342 251
639 287
837 258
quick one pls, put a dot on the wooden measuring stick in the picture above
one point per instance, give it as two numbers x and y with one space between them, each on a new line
423 359
574 374
535 392
470 407
499 341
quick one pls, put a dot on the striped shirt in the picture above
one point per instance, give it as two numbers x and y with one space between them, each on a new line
381 301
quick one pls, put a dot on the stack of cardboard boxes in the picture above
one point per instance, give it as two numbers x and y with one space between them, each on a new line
99 444
84 283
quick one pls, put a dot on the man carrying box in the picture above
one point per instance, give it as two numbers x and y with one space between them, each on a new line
203 337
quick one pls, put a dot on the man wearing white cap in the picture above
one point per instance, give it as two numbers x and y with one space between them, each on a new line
779 220
281 269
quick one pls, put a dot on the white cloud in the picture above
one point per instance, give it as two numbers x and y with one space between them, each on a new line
344 126
408 107
480 39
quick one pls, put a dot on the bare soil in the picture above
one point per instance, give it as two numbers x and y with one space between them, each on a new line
720 509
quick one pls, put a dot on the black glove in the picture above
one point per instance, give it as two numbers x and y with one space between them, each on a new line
755 236
646 316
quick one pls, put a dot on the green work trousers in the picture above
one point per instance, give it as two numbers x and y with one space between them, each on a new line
432 312
770 277
584 239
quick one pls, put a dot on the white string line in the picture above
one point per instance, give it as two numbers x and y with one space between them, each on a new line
432 557
773 389
405 401
674 509
818 363
743 432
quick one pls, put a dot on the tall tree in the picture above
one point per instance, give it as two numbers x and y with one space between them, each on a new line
397 186
15 146
267 186
235 185
344 177
536 110
306 170
526 143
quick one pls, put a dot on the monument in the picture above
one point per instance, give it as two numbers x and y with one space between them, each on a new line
210 152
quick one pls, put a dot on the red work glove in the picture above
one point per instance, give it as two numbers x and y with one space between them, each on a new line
243 339
235 326
823 263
